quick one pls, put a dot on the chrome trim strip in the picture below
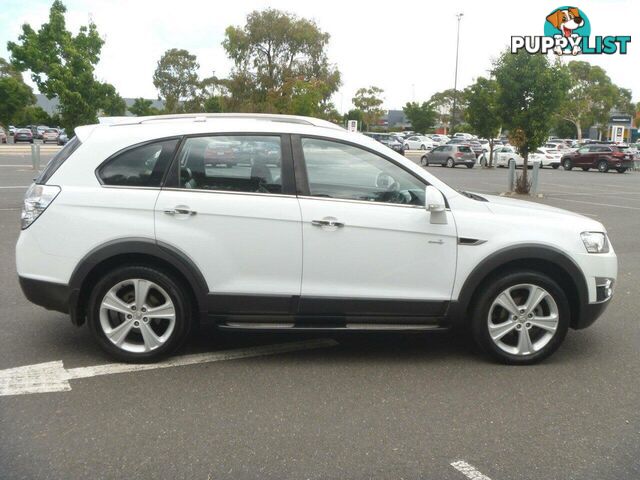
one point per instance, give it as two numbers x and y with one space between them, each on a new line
199 190
366 202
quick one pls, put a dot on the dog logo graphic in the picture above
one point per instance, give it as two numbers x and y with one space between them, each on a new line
570 23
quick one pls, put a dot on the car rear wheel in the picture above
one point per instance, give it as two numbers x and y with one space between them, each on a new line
621 170
521 318
586 169
450 163
567 164
469 165
139 314
603 166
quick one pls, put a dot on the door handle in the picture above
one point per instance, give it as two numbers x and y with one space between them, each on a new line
326 223
181 211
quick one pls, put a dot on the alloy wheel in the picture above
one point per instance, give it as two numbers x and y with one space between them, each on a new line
137 315
523 319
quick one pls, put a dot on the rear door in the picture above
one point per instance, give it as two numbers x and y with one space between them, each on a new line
229 205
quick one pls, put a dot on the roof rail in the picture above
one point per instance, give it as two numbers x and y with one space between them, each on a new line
296 119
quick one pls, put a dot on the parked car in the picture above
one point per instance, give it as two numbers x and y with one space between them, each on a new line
40 129
547 157
3 135
50 135
476 146
62 138
12 130
23 135
464 136
387 140
439 139
602 157
418 143
503 156
345 234
450 155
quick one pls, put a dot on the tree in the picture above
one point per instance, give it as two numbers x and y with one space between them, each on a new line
422 117
590 96
176 78
442 102
112 104
62 65
530 89
482 111
278 56
368 101
142 108
15 95
34 115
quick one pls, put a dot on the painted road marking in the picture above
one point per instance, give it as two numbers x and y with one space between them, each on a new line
598 204
53 377
18 186
468 470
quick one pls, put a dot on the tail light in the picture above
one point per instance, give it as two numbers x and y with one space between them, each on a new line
459 154
36 201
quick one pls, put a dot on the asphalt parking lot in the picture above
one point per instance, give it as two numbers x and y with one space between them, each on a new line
344 407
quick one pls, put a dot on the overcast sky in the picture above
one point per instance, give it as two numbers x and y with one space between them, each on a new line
407 47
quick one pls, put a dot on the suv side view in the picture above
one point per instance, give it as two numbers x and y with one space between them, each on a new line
143 227
602 157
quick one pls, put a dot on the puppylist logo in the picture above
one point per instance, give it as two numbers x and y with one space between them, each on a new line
567 30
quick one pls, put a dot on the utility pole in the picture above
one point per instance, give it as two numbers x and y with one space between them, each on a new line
455 81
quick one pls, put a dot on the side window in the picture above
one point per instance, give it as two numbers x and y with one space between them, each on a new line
141 166
337 170
234 163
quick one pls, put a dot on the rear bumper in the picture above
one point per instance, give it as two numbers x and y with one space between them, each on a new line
52 296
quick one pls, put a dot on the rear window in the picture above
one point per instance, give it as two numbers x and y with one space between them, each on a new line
140 166
60 157
464 149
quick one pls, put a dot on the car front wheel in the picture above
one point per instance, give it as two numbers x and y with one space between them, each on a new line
567 164
521 318
424 161
450 163
139 314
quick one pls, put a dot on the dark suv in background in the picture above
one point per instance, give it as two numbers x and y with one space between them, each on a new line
602 157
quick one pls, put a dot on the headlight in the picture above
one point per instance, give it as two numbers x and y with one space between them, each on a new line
36 201
595 242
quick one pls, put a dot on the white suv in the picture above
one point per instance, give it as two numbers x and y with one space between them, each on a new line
266 222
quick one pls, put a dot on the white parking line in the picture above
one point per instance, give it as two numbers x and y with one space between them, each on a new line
468 470
53 377
18 186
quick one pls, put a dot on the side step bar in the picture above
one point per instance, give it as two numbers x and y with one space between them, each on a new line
332 328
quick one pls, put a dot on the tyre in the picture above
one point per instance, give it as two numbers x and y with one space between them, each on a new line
483 162
585 169
520 318
423 147
621 170
450 163
555 167
567 164
469 165
424 161
31 141
603 166
139 314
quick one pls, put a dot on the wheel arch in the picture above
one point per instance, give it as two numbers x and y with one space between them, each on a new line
544 259
138 251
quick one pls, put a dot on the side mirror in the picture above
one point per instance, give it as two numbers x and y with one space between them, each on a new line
435 204
434 200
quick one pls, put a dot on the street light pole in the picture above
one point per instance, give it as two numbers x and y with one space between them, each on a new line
455 81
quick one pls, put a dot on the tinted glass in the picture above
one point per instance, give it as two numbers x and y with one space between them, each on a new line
336 170
141 166
239 163
464 149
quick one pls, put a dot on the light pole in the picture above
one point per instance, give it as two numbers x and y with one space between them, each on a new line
455 81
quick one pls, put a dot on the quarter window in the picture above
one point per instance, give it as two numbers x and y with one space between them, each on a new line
235 163
141 166
337 170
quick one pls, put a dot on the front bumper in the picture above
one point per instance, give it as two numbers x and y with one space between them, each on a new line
590 313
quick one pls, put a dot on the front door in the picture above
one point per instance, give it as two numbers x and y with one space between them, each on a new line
369 247
232 210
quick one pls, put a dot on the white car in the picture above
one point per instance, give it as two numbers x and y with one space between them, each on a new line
50 135
465 136
418 142
548 157
132 229
439 139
